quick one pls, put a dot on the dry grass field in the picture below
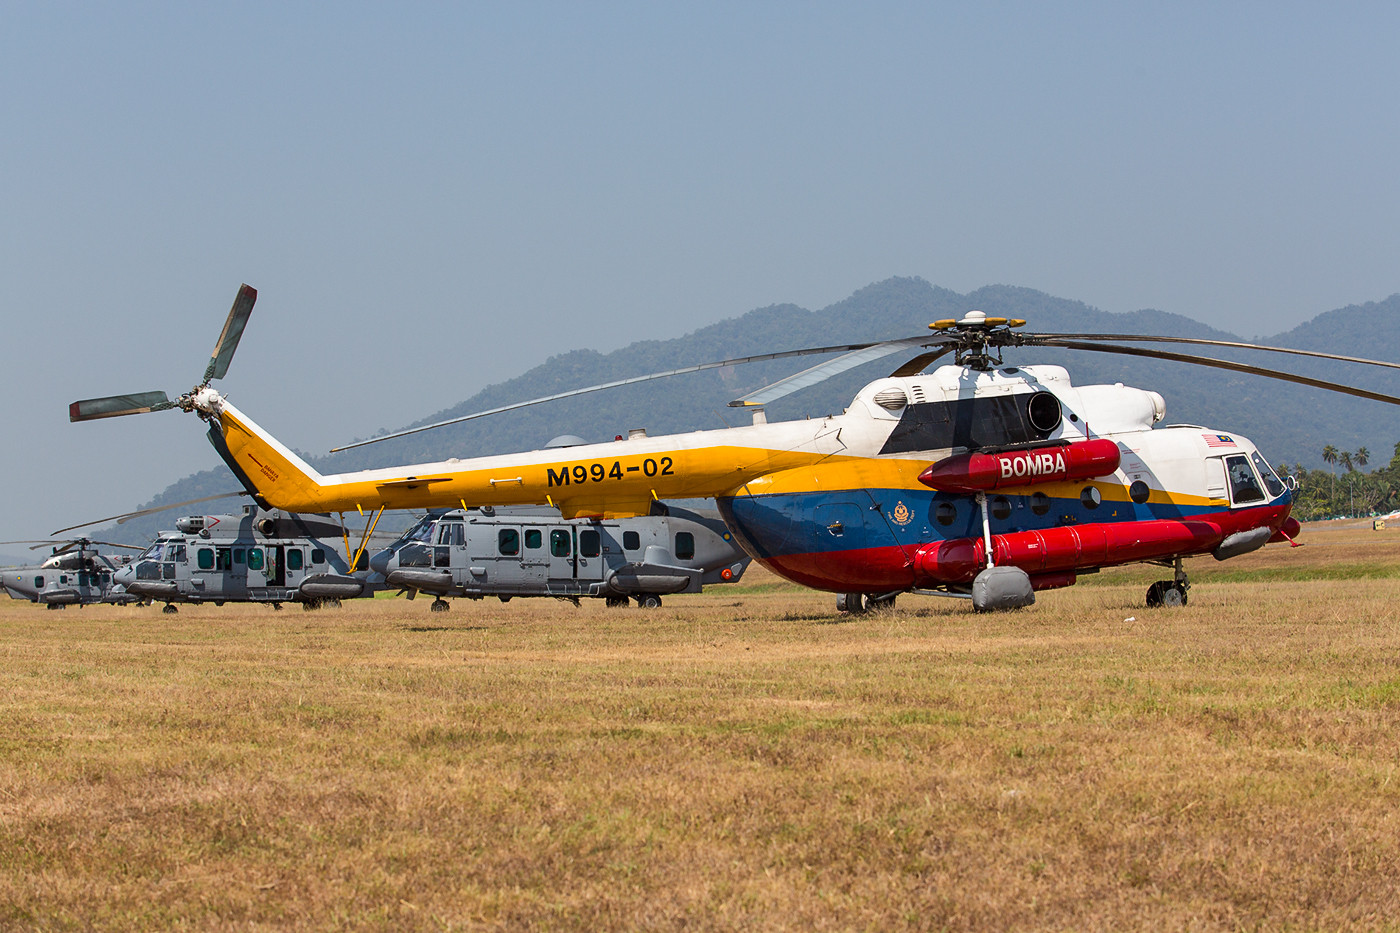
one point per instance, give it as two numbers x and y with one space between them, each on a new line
745 759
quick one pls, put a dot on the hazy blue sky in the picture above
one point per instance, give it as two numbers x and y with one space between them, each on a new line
433 197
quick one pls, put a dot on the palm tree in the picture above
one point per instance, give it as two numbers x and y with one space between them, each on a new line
1329 457
1345 458
1363 456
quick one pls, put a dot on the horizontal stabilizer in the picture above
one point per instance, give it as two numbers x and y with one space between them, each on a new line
113 405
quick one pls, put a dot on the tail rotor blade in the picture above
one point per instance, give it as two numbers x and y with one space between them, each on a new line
112 406
232 333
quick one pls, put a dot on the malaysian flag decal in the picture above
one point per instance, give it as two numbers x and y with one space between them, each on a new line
1219 440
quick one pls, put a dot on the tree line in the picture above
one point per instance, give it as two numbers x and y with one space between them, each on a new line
1321 494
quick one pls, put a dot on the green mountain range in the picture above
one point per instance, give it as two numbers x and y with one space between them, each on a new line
1289 422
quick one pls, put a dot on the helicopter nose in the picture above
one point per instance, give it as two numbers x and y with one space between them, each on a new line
379 563
126 576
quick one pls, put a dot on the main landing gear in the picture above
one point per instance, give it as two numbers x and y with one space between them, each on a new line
1169 593
857 603
440 605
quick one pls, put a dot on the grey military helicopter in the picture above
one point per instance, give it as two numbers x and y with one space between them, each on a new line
249 556
534 552
75 574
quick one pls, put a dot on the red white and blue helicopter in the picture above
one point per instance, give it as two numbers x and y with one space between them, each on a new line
976 479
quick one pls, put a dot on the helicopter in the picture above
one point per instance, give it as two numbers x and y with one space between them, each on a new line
74 574
978 480
534 552
248 556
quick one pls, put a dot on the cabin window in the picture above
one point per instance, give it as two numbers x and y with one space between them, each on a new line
238 555
508 541
442 556
204 557
318 556
1271 482
177 553
222 559
38 583
1244 487
294 558
631 540
559 543
1001 508
363 562
533 538
1139 492
685 545
1040 503
255 558
1090 497
451 533
946 513
589 543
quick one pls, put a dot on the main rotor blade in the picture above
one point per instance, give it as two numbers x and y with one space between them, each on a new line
128 516
736 361
823 371
1223 364
111 406
232 333
920 363
1034 339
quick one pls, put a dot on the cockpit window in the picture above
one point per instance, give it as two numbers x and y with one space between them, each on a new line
1244 487
423 531
451 533
1271 482
155 551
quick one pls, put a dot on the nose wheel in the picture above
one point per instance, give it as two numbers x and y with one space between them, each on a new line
1169 593
440 605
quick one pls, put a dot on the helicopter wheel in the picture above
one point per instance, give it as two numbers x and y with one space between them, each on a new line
54 605
615 602
331 603
1166 593
649 601
854 603
440 605
310 604
170 609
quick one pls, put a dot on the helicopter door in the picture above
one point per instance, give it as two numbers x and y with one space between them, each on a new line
258 561
561 553
534 557
493 558
588 563
293 564
273 567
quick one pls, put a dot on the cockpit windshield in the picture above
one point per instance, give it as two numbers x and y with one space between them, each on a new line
423 531
1271 481
154 552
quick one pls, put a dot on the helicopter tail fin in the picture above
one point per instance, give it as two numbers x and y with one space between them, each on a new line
274 475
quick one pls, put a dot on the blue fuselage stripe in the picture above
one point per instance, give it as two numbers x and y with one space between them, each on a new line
858 519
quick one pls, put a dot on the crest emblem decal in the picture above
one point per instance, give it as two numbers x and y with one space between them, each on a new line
901 514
